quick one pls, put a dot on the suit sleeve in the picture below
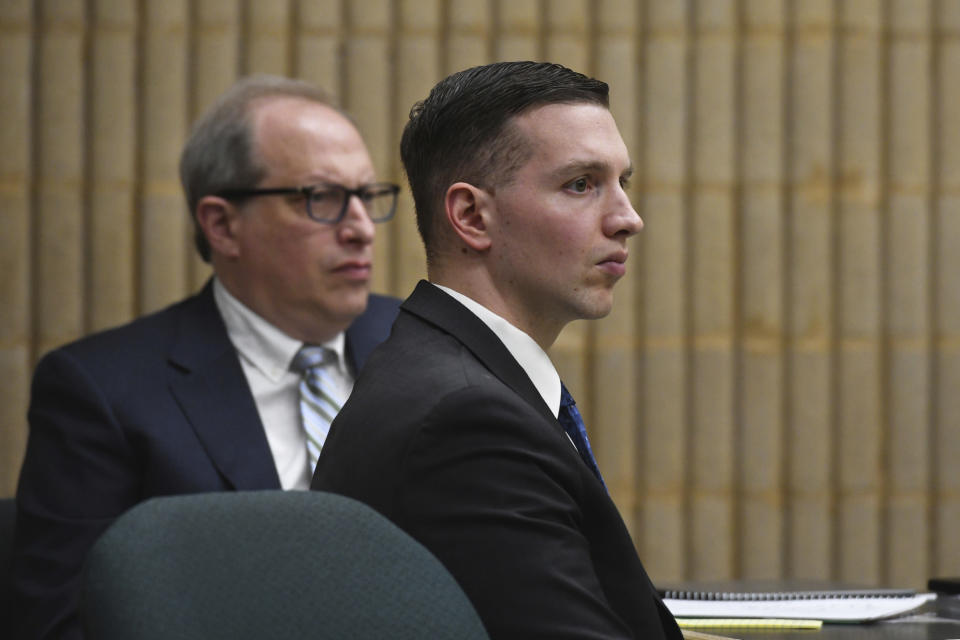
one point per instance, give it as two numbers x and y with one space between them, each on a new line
78 475
495 492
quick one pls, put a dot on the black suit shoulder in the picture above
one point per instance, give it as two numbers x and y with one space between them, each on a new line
446 435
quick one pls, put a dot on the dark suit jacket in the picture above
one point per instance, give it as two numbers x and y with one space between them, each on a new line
446 435
156 407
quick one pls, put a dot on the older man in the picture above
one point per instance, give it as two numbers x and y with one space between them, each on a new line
232 388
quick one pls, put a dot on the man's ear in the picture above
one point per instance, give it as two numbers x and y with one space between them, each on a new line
467 209
216 218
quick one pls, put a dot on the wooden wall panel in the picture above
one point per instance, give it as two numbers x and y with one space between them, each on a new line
418 62
859 360
759 400
518 30
267 44
663 411
16 255
945 431
316 54
567 41
214 64
59 146
111 165
712 456
907 244
369 78
468 30
774 393
809 287
165 247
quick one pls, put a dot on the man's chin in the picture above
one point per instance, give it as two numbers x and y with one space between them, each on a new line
598 306
353 304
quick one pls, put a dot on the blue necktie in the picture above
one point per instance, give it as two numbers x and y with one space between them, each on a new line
319 401
572 422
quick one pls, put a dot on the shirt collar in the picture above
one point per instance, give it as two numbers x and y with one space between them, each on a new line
534 360
260 343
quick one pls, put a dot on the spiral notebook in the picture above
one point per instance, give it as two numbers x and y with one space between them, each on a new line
850 605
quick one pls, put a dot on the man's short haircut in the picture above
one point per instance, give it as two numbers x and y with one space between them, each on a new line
462 132
220 153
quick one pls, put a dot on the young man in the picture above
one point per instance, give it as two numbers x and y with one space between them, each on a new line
203 396
459 430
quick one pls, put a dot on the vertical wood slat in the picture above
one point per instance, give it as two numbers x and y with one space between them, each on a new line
215 46
761 358
859 362
467 37
111 162
165 244
712 456
809 289
215 62
316 58
16 179
267 45
945 492
59 140
369 80
566 39
518 30
614 357
908 280
418 62
663 402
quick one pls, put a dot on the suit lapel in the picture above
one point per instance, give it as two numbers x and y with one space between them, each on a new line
209 385
434 306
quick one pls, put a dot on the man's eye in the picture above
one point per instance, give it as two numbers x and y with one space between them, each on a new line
323 195
580 185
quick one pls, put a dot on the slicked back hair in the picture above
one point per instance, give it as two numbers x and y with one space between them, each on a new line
462 131
221 152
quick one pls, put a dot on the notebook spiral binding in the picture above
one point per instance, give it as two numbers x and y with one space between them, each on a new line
787 595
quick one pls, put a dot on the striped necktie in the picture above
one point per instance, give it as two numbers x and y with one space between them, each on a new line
572 422
319 399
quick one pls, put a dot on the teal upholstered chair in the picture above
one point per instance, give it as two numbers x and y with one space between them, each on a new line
267 564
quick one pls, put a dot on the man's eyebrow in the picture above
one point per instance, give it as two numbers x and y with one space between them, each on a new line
591 166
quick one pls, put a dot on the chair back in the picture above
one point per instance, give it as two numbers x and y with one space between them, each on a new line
267 564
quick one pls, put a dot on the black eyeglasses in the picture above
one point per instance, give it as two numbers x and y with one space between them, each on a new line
327 203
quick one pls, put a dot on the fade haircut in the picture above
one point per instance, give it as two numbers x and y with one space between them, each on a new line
221 152
463 130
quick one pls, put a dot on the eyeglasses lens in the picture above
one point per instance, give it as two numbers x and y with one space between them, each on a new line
328 203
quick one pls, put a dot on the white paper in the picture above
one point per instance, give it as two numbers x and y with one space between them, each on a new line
826 609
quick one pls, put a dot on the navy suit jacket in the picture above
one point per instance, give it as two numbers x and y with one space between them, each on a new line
156 407
446 435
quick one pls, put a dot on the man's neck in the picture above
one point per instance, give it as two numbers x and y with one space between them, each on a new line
485 293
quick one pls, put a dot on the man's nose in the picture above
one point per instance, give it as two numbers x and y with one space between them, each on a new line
356 225
623 218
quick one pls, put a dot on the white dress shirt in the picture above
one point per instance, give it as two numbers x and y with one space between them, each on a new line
265 356
534 360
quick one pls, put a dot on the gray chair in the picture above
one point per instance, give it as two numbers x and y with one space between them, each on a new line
8 516
267 564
